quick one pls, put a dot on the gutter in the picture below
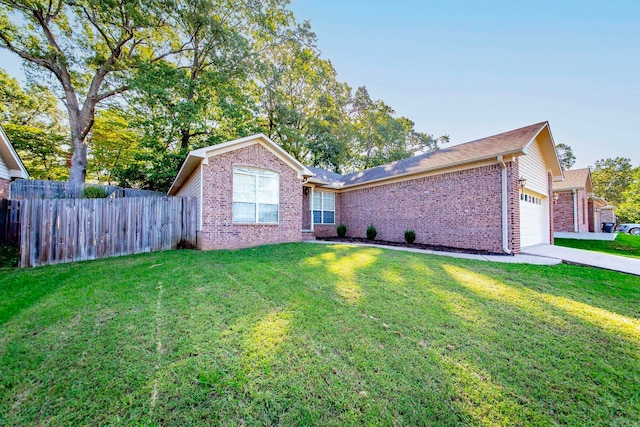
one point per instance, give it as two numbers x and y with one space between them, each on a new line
505 223
575 211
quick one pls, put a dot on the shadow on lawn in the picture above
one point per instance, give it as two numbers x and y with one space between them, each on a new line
306 334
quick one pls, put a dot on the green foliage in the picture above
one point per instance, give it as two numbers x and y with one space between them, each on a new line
629 209
409 236
566 156
611 178
371 232
94 192
35 126
341 230
192 74
113 144
9 256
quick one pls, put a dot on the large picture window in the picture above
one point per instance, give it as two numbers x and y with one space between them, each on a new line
256 196
324 207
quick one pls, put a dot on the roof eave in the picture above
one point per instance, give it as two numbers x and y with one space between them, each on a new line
21 172
442 168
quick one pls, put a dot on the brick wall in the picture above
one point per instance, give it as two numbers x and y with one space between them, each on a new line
513 205
607 215
218 230
583 213
459 209
563 212
4 188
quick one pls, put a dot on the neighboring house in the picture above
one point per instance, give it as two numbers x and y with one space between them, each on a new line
491 194
11 166
576 208
608 214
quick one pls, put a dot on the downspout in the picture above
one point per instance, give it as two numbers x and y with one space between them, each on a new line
505 222
575 210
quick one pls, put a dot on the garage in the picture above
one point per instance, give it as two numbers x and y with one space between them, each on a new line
534 219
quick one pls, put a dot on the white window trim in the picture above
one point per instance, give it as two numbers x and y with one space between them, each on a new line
238 170
322 210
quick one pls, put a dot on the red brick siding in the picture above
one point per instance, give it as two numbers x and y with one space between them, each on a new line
4 188
563 212
607 216
218 229
592 213
459 209
513 205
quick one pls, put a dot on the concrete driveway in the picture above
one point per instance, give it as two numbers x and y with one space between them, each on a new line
590 258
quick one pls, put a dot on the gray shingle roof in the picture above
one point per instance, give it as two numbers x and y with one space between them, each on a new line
511 142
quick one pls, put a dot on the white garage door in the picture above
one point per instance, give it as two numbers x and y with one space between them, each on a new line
534 220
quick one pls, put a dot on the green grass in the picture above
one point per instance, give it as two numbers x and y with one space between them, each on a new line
303 334
625 245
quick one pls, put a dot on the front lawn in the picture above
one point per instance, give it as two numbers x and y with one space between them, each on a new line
625 245
309 334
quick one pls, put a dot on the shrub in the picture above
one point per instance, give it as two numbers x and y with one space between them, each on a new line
371 232
409 236
341 230
93 192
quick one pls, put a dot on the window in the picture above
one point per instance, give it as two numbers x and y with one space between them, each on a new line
256 196
324 207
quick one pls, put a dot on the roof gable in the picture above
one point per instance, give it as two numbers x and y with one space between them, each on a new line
11 158
575 180
197 157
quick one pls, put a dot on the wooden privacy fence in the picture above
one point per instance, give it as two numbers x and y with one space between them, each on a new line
54 231
42 189
9 222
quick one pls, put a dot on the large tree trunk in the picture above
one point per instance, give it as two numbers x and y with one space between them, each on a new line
78 169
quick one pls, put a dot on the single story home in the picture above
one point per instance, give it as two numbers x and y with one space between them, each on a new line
11 167
492 194
576 208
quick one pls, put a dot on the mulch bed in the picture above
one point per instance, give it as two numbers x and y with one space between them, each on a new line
407 245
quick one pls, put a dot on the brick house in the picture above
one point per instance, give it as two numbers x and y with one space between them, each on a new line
576 209
492 194
11 166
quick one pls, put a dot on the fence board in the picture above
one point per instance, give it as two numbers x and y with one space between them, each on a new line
42 189
53 231
9 222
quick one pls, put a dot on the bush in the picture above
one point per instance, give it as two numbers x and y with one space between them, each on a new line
93 192
371 232
9 256
341 230
410 236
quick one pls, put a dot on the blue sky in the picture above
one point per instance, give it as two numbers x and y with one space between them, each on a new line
475 68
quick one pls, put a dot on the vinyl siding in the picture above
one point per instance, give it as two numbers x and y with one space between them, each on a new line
534 169
192 189
4 170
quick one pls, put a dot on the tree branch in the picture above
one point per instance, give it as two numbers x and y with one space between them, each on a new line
110 93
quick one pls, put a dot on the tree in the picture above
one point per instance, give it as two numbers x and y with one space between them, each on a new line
382 138
112 145
629 209
611 178
566 156
35 126
88 45
304 107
